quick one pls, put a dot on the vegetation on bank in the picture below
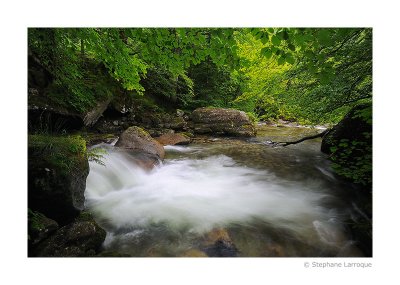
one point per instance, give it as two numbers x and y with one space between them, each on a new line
65 152
308 75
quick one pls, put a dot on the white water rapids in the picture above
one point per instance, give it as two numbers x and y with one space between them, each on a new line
193 192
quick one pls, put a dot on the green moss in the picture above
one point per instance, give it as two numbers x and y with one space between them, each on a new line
85 216
187 134
34 220
63 152
92 139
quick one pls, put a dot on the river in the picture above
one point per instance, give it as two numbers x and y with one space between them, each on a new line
261 200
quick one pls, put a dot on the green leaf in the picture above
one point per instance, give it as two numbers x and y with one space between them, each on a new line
291 47
267 52
290 59
285 35
281 60
264 39
324 36
275 40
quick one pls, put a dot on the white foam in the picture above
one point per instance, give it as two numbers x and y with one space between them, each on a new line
201 194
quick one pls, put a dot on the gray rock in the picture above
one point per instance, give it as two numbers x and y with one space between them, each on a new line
91 117
222 121
351 127
136 138
79 239
39 227
173 139
55 190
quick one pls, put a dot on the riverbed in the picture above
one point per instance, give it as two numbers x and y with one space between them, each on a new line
224 197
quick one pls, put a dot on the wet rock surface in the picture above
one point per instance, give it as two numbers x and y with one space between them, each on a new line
39 227
81 238
53 190
173 139
222 122
219 244
136 138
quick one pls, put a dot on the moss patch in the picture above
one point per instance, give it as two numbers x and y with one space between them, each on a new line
64 152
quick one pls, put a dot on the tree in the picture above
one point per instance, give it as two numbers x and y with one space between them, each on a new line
127 54
331 68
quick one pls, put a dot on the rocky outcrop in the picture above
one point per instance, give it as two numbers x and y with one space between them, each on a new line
222 122
81 238
352 127
39 227
57 171
349 145
137 139
173 139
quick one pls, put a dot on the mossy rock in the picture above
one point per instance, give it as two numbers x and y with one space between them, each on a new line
82 238
57 171
221 121
173 139
39 227
138 139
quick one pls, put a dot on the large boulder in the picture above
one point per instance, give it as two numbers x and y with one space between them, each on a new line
84 237
39 227
353 127
173 139
57 171
137 139
222 122
349 145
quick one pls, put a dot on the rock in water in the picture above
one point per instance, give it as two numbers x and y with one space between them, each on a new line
222 121
136 138
173 139
79 239
219 244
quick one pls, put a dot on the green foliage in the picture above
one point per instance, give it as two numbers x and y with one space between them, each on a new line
65 152
326 71
168 88
213 85
306 74
353 160
127 54
35 220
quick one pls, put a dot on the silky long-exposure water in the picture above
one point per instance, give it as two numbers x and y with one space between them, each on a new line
266 201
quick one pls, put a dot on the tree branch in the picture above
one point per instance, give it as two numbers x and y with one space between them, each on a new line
302 139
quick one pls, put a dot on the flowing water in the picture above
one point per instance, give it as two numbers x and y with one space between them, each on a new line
259 200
